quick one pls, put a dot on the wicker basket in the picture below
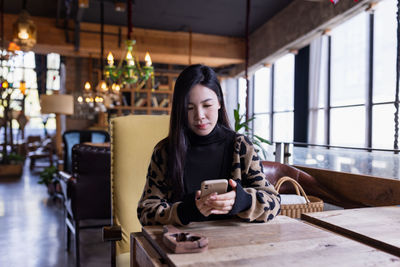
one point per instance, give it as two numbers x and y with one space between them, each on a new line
313 204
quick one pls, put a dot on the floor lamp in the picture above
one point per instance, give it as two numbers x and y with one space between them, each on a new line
59 105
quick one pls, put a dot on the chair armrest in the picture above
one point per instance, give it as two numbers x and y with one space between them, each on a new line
65 180
112 233
65 177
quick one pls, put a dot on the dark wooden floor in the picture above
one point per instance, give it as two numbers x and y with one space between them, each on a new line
32 229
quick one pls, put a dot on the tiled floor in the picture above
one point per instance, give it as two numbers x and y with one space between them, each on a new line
32 229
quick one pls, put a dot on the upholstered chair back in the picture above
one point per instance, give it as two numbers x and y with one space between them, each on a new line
132 141
73 137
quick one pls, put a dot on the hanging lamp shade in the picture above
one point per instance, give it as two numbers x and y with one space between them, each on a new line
24 31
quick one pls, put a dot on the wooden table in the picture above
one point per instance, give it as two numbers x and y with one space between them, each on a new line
378 226
281 242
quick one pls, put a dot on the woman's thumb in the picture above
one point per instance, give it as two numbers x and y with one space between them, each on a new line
232 183
198 193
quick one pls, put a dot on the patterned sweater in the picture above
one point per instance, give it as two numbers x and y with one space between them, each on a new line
156 207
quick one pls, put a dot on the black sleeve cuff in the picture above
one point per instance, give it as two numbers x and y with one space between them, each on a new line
242 201
187 210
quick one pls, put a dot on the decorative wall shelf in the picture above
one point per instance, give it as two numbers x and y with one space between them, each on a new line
147 100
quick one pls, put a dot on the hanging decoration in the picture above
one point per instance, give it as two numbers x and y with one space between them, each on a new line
129 72
24 30
100 98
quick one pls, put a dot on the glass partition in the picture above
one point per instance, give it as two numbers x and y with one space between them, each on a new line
377 163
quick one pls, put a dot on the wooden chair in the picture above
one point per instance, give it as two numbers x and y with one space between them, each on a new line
132 141
38 149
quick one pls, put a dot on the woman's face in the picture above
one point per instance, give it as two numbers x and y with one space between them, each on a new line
202 110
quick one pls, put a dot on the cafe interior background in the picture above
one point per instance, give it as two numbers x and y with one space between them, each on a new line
317 79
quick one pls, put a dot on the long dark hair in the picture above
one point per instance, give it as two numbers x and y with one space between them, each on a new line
178 126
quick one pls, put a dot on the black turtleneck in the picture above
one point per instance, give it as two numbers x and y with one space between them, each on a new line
209 157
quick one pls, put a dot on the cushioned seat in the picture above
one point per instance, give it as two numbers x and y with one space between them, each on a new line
132 143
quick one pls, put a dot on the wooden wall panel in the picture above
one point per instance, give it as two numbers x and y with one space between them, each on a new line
164 47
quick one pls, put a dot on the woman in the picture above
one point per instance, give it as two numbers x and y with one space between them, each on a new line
201 146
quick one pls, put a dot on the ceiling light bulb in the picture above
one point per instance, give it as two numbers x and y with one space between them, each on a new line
22 87
129 59
83 3
4 85
103 86
23 34
115 87
80 99
98 99
110 59
147 58
87 86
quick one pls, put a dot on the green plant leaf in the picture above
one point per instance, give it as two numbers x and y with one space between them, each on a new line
246 127
262 139
236 114
249 120
14 157
47 175
256 140
241 125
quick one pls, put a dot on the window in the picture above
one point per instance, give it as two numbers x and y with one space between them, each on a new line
349 82
283 99
37 120
384 78
318 91
274 100
349 67
242 95
352 121
353 38
347 105
262 103
19 68
53 73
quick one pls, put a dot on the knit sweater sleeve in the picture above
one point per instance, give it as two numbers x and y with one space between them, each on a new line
248 171
154 206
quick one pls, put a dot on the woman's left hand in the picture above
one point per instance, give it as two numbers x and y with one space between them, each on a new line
222 204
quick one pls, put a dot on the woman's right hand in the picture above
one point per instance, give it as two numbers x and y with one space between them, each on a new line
201 203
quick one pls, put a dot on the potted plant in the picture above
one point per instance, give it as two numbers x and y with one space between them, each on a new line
11 164
47 178
10 161
242 123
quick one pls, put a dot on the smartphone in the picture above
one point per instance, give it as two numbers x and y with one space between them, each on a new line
210 186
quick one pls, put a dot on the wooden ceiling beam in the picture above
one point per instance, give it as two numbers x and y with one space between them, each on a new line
163 46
